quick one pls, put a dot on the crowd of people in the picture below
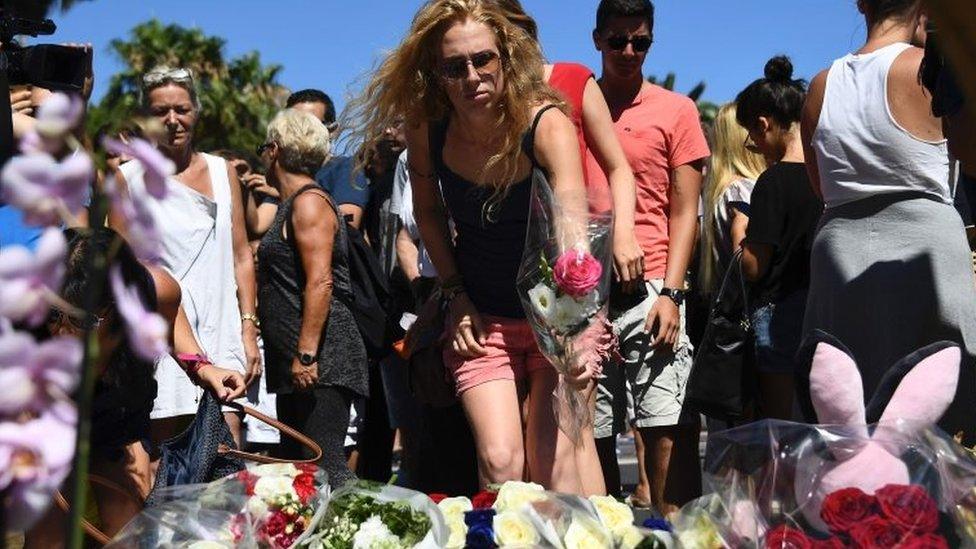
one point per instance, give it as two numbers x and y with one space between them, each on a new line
308 283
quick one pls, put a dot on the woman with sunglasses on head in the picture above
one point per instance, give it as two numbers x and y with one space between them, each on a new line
478 115
316 357
783 215
125 388
204 241
891 270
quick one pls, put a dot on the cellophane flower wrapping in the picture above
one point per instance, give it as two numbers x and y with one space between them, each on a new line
266 506
782 484
526 515
365 514
564 284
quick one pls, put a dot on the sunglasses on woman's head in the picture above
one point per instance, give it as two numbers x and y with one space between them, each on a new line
484 63
640 43
177 75
84 323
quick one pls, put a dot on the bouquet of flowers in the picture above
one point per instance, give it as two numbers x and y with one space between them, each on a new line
563 284
523 514
267 506
366 515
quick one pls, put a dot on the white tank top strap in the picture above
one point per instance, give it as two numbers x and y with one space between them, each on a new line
219 180
861 149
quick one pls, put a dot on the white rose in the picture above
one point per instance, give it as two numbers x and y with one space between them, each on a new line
631 537
543 300
616 516
514 494
700 533
276 470
454 507
512 528
459 532
585 534
272 486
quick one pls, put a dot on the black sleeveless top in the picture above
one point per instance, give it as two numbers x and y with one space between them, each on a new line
281 287
490 237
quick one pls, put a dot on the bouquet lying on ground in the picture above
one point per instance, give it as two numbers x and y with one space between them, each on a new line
266 506
366 515
563 284
523 514
897 483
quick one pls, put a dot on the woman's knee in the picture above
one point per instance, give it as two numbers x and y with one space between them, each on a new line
501 462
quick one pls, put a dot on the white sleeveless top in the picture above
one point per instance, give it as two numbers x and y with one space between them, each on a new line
861 150
198 252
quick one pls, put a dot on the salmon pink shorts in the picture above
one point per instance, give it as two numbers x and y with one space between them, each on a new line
512 355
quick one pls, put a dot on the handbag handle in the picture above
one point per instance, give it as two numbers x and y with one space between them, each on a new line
734 265
286 430
93 531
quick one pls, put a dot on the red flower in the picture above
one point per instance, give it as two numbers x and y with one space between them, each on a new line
844 508
910 507
924 541
829 543
483 499
248 480
785 537
309 468
877 532
304 485
275 525
436 497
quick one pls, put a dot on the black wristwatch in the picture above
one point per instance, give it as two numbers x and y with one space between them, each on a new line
307 359
678 296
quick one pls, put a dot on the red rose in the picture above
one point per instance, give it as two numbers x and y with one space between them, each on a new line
786 537
436 497
924 541
844 508
910 507
248 480
304 485
829 543
483 499
877 532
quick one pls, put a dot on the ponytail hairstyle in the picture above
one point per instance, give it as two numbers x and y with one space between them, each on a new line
777 95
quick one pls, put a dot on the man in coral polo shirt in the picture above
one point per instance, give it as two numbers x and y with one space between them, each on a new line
663 140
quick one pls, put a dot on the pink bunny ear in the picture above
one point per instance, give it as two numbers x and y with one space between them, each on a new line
927 390
836 390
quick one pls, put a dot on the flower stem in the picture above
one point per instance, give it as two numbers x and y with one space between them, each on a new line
98 266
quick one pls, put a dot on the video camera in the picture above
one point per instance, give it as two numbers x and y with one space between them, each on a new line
60 68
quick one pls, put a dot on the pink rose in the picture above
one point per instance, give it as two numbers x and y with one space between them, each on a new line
577 273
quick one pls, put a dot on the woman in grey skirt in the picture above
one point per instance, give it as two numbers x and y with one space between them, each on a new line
890 267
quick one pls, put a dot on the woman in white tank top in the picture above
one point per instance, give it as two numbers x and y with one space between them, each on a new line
890 266
204 247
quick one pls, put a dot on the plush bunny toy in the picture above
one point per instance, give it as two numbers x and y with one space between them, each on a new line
919 389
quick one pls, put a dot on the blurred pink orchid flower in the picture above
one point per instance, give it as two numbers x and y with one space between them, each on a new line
43 188
35 458
142 234
28 280
34 374
148 332
157 167
59 114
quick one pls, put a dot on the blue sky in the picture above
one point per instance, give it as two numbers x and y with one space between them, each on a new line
330 44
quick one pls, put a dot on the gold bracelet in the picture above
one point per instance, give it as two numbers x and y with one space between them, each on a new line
252 317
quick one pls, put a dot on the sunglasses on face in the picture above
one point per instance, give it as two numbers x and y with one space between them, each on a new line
619 43
85 323
261 148
484 63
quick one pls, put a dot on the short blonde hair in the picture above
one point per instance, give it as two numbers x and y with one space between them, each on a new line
164 75
303 141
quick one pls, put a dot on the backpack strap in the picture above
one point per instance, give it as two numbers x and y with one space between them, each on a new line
528 140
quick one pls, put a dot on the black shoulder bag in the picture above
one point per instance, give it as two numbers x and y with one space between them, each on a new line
721 384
